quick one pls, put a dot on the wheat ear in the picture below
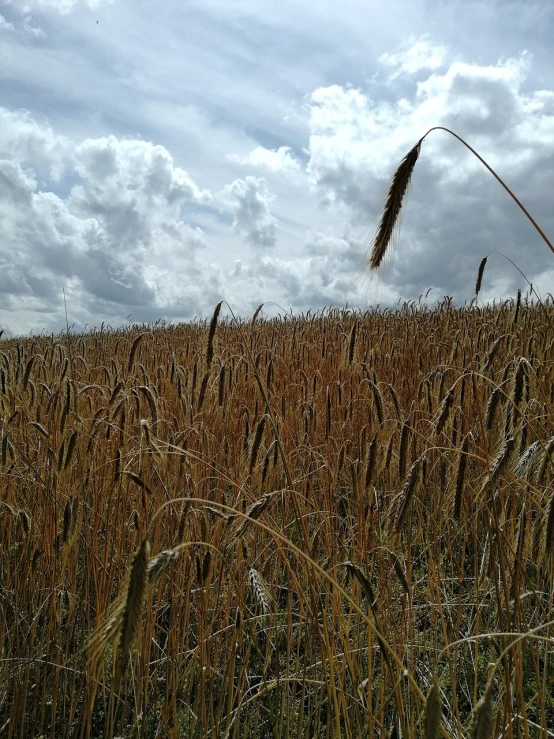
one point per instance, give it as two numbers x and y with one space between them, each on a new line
433 713
393 205
134 602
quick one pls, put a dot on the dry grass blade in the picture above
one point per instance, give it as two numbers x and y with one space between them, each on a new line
393 206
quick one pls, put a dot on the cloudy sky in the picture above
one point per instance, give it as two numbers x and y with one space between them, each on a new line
157 157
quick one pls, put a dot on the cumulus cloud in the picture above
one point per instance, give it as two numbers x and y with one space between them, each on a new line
32 143
273 160
118 240
252 219
413 57
323 272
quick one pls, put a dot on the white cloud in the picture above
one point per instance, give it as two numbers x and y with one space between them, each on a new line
32 143
118 240
250 198
273 160
415 56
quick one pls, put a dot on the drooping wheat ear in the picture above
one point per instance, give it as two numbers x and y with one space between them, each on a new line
482 718
256 444
402 501
27 374
502 458
134 603
260 591
159 564
444 410
70 449
377 397
256 314
546 459
25 521
492 354
433 712
480 273
151 403
460 476
370 461
393 206
253 513
549 530
394 400
211 335
352 342
521 378
527 461
133 352
203 388
400 573
492 405
397 191
357 572
67 514
518 306
362 578
402 449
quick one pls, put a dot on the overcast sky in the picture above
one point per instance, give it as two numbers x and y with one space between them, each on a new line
159 156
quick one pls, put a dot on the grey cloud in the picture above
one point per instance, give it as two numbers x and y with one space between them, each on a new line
252 217
117 241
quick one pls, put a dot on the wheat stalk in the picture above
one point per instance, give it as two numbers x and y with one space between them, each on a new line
397 191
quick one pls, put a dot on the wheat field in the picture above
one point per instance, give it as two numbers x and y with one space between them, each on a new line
333 525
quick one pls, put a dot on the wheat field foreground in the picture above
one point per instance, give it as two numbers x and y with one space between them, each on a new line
336 525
